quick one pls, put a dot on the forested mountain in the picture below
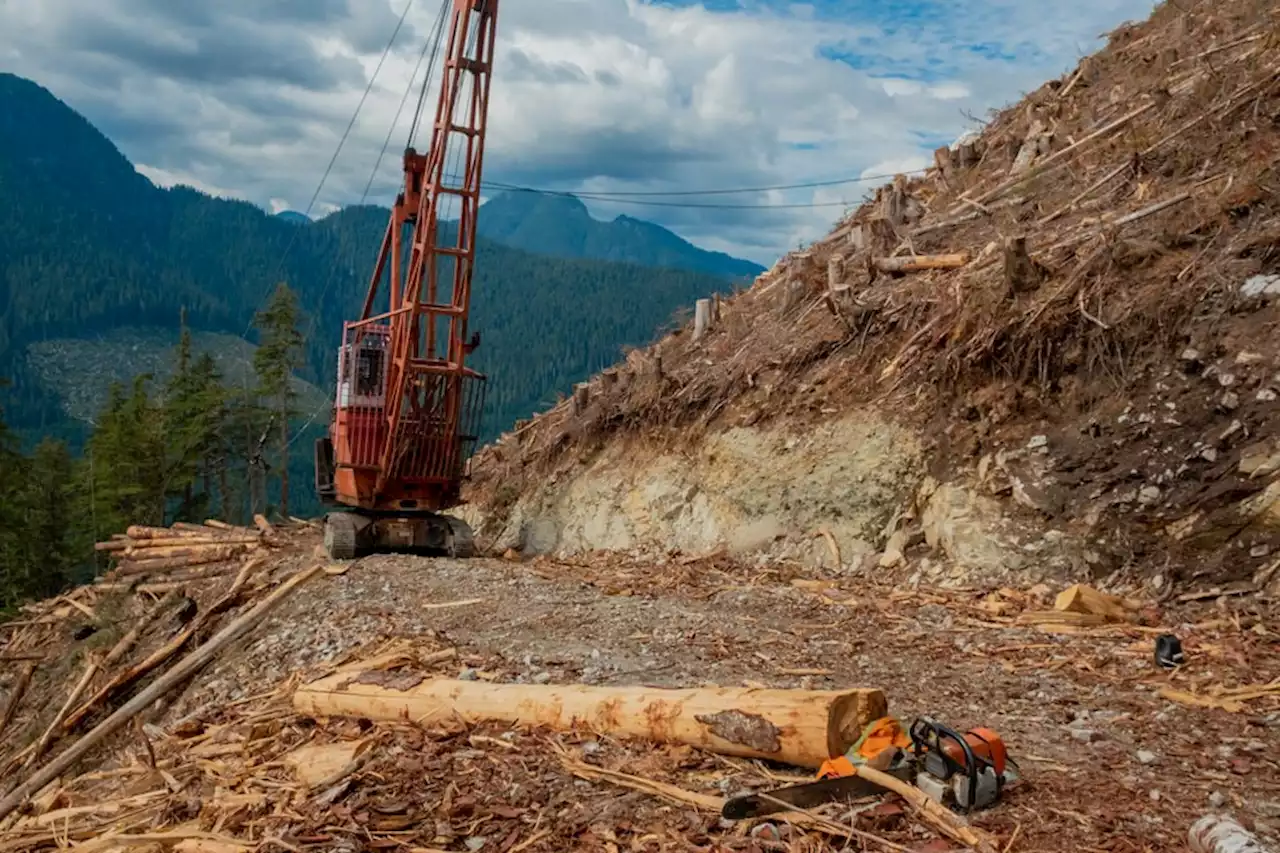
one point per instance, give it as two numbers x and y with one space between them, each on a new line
561 225
87 245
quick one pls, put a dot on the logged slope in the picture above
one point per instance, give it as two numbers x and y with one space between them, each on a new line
87 246
1134 348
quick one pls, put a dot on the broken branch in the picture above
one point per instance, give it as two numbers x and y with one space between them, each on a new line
185 668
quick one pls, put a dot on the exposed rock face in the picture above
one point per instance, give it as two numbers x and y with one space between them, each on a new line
765 490
747 489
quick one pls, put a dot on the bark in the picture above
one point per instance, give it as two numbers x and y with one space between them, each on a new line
800 727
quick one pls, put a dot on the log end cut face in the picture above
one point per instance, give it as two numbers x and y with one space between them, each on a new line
850 714
739 727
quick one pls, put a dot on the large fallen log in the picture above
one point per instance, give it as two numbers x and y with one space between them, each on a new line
800 727
158 688
921 262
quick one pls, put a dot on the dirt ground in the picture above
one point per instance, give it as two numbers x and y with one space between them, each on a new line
1107 764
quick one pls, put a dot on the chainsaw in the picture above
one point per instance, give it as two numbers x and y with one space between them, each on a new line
963 772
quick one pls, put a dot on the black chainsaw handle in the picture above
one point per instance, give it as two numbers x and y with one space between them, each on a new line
927 733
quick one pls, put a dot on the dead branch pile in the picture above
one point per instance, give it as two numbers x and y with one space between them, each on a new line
1076 237
97 657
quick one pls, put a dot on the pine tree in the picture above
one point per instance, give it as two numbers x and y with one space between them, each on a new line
193 412
128 461
48 528
12 569
280 352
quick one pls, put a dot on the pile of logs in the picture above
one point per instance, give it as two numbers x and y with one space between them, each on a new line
183 552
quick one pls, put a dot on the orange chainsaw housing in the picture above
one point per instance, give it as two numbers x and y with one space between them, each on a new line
985 743
886 733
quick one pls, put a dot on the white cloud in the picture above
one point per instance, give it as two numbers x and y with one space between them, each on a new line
590 95
166 178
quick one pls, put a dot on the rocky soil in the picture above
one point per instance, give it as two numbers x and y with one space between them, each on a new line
1120 767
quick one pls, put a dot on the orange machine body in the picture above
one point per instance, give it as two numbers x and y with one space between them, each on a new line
985 743
887 733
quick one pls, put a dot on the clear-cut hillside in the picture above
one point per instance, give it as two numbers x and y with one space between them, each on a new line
1055 352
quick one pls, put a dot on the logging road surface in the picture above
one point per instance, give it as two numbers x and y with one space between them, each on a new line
1066 705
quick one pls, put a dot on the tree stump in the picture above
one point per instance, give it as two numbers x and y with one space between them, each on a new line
836 274
1021 272
701 318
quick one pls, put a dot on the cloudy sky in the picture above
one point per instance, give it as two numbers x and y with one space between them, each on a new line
248 98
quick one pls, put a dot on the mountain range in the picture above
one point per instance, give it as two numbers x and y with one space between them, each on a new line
91 249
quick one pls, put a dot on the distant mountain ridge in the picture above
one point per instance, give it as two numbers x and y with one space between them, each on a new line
560 224
88 245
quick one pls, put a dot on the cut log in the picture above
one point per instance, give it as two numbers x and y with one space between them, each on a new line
113 545
144 567
142 531
1082 598
192 542
220 525
1059 617
187 667
15 694
260 521
323 765
800 727
922 262
166 552
198 529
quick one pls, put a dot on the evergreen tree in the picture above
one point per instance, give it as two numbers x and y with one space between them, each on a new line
127 461
35 520
280 352
193 413
12 572
48 528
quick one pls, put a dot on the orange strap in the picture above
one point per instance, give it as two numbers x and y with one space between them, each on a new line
839 766
878 736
